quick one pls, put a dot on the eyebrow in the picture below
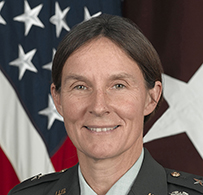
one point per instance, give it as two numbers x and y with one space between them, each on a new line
75 77
123 76
112 77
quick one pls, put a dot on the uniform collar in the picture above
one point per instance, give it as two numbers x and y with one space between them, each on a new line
150 179
122 186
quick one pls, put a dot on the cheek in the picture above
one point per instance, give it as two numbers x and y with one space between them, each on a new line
73 116
73 109
131 108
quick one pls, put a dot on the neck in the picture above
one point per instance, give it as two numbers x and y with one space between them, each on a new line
102 174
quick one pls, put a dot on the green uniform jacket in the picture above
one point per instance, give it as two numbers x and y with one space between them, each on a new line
152 179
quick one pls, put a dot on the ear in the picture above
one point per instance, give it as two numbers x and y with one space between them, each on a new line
154 95
56 98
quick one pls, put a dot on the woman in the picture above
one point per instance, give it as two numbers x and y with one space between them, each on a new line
106 84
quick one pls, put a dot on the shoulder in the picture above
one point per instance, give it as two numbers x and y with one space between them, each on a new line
42 184
181 183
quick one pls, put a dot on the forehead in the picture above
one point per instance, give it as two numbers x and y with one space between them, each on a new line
102 56
99 46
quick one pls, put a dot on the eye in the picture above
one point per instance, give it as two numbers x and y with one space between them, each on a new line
119 86
80 87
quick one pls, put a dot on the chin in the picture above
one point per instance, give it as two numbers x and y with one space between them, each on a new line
103 154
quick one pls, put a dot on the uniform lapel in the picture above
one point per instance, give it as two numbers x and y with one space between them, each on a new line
150 179
68 184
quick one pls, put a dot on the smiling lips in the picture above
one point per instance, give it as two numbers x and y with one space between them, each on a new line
99 129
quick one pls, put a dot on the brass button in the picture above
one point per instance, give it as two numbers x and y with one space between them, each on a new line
175 174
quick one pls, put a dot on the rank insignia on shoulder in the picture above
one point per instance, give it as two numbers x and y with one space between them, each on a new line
198 181
179 193
175 174
37 177
63 170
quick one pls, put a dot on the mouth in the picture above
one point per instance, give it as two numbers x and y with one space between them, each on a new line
101 129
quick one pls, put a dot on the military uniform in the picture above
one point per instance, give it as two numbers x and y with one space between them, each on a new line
152 179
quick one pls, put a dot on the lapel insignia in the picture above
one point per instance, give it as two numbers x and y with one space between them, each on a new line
179 193
60 192
198 181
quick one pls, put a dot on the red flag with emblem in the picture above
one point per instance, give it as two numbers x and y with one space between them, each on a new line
175 29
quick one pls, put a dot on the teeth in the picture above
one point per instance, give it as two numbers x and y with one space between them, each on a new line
101 129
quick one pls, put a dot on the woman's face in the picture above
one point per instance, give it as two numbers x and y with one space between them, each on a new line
103 100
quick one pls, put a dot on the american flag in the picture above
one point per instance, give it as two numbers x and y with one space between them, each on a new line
32 135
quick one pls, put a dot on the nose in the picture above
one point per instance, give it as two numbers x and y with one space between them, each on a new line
99 103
